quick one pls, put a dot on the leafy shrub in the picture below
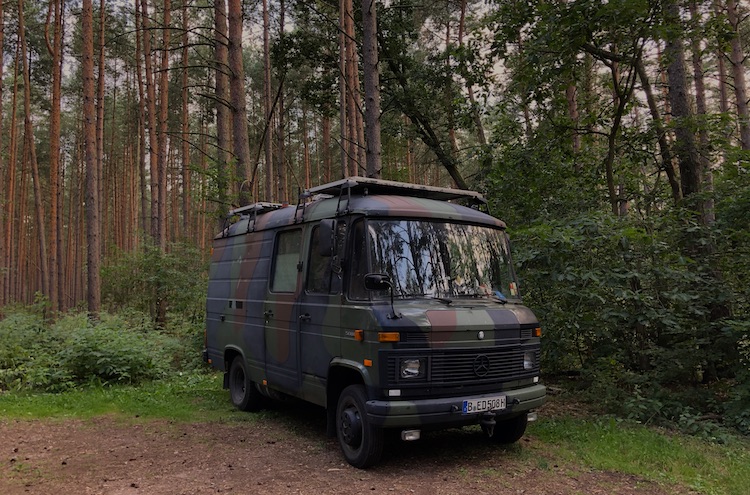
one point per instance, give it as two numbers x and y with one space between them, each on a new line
123 348
639 309
139 279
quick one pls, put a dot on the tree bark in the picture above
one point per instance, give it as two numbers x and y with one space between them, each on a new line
163 126
685 145
709 216
327 159
30 145
239 101
343 134
372 89
4 266
144 216
100 85
223 129
153 137
722 75
55 50
93 255
661 135
269 189
738 70
281 180
185 117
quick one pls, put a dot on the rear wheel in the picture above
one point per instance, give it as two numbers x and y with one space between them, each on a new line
510 430
245 395
360 441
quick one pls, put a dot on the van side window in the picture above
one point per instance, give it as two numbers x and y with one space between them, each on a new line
286 257
319 267
359 267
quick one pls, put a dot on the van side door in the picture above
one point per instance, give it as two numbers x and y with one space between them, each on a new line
280 314
320 309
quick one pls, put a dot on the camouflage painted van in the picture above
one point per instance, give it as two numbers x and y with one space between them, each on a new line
388 304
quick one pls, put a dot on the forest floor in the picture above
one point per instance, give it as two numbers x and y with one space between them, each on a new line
282 452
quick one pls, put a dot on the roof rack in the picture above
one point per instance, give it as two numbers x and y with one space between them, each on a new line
367 185
255 208
251 211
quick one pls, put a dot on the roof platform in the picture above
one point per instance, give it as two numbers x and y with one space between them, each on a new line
366 185
255 208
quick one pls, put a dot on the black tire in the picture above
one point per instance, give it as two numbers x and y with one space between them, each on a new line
361 443
244 393
510 430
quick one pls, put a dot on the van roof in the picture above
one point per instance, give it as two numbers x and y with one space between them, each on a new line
360 195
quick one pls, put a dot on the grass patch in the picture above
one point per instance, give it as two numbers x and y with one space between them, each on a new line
610 445
186 397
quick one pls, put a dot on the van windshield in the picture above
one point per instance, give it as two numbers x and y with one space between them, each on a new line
441 259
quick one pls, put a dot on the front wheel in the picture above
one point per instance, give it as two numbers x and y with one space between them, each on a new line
510 430
361 442
245 395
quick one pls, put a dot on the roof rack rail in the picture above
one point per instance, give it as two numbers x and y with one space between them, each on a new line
367 185
255 208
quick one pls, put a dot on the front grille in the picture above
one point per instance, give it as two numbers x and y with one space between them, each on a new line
472 366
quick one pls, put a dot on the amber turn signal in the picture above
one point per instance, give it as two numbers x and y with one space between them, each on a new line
389 336
359 335
538 332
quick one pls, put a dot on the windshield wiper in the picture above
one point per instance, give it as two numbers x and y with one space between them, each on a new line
443 300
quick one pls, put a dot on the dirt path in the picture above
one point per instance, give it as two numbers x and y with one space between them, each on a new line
280 453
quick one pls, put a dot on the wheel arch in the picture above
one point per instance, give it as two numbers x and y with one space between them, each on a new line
341 374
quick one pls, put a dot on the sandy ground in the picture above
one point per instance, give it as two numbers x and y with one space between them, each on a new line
283 452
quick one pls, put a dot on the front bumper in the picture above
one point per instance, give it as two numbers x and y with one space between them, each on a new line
446 412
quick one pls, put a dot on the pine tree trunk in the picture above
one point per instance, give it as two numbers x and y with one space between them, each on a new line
327 159
661 135
153 137
12 197
93 256
185 155
4 203
223 129
55 50
239 101
352 88
722 71
709 216
162 166
685 146
100 84
738 70
343 100
144 216
372 88
281 180
30 146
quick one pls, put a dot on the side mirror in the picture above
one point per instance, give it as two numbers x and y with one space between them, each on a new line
377 281
325 238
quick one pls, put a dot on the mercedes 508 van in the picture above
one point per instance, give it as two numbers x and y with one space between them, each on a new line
393 306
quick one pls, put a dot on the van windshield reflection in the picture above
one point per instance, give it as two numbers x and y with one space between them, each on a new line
441 260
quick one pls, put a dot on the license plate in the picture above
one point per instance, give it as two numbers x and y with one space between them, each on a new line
484 404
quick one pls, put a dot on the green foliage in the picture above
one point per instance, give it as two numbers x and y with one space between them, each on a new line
74 351
139 279
643 323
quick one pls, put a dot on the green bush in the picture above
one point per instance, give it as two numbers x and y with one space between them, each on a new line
122 348
639 309
139 279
